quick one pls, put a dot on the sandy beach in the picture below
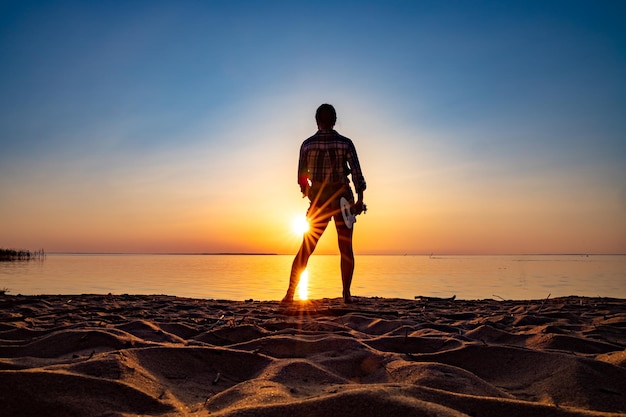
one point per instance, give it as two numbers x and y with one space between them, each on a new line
125 355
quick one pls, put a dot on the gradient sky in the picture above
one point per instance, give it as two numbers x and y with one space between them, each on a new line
483 127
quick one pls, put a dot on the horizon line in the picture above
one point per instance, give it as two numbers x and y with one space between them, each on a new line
431 255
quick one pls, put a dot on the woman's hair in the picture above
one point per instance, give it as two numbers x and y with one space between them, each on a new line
326 115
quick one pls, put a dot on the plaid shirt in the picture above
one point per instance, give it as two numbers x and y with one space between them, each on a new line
328 157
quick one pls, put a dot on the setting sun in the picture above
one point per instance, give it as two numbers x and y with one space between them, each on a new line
303 285
300 225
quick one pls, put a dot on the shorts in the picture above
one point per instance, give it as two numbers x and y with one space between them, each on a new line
325 202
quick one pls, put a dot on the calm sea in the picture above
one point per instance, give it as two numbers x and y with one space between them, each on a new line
264 277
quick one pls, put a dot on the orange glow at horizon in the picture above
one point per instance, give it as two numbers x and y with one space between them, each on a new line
435 211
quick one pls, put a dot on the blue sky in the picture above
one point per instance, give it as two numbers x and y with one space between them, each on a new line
471 116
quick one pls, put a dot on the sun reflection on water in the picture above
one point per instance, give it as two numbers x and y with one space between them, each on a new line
303 285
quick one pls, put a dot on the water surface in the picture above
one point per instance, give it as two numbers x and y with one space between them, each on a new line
264 277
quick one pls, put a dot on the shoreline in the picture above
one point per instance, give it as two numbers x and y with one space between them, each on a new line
428 255
164 355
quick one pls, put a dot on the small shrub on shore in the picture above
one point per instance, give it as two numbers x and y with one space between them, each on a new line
20 255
